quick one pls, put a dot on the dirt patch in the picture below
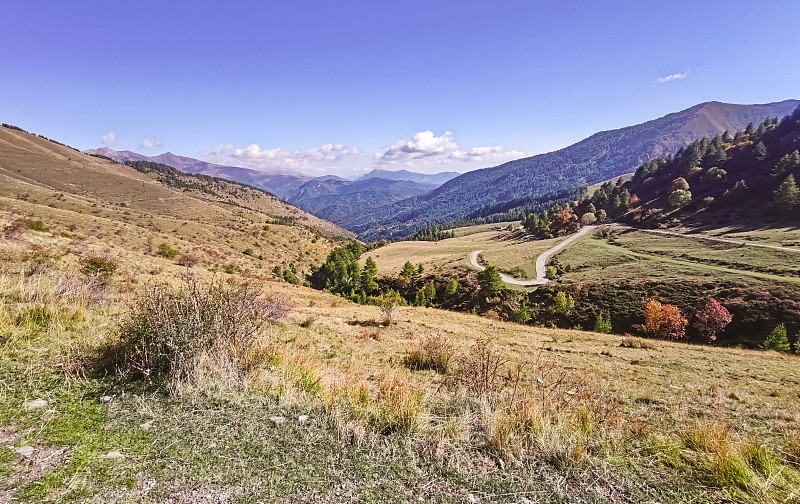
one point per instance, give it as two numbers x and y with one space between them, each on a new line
26 469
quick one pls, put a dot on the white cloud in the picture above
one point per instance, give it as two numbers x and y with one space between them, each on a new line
321 159
426 148
675 76
110 139
149 143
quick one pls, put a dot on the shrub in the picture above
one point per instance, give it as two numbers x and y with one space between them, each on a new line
291 277
99 267
37 226
165 250
434 353
229 269
248 251
188 260
480 372
679 198
277 307
14 229
777 340
631 342
167 331
388 302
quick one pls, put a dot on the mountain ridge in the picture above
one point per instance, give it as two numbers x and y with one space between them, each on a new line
599 157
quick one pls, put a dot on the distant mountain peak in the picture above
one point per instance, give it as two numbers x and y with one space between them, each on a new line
420 178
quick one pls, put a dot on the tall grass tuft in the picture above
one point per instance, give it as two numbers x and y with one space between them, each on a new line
432 352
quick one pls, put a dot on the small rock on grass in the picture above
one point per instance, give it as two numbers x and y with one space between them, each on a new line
26 451
35 404
147 425
105 398
278 420
302 418
113 455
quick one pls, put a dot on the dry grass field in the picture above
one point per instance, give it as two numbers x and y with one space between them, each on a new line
506 250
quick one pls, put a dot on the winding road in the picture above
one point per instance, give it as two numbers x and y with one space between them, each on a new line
541 261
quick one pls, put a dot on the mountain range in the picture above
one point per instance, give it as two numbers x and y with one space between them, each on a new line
602 156
329 197
436 179
394 204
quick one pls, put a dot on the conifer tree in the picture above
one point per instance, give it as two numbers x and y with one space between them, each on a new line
777 340
787 196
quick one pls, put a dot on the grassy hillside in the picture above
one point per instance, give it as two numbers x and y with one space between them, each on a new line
97 204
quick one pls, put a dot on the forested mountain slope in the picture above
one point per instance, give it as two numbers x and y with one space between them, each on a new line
602 156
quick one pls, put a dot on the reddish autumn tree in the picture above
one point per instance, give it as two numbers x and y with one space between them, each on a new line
663 321
712 319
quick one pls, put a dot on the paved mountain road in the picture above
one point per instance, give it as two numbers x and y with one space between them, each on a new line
541 261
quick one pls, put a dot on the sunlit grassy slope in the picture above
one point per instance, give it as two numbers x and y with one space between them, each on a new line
111 208
506 250
612 254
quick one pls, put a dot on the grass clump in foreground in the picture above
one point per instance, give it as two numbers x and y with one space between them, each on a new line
171 332
433 352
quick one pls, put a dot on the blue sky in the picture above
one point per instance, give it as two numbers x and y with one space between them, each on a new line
342 87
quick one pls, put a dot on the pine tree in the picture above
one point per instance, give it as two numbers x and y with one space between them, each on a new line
760 151
777 340
787 196
603 324
490 280
452 287
727 137
368 274
522 315
408 272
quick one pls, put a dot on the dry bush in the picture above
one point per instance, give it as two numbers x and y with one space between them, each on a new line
169 332
479 373
277 308
398 408
100 268
432 352
188 260
53 287
792 454
15 229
